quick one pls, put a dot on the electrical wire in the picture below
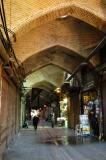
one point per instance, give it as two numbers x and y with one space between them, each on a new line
93 52
3 18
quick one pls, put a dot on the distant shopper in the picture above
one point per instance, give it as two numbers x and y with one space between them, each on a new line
35 121
52 120
95 126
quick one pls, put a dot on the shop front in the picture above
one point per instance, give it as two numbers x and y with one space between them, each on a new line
104 104
91 107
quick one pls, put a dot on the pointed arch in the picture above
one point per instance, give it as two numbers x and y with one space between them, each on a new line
73 9
56 55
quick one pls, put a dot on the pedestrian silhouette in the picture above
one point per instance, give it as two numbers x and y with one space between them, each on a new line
95 126
52 120
35 122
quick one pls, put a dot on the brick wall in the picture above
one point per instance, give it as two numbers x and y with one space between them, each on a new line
24 15
69 33
9 111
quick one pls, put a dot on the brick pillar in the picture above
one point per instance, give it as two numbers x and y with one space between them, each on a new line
70 113
104 108
73 110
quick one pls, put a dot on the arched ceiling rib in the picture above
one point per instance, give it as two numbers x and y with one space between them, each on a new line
45 85
48 77
70 33
57 55
26 15
38 26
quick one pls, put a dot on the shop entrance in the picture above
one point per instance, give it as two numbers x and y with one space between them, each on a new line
91 110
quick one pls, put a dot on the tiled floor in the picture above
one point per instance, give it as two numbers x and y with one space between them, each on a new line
54 144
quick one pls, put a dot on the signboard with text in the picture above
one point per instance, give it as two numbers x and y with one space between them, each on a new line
84 124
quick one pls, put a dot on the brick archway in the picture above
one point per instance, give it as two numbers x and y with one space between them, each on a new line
73 9
55 55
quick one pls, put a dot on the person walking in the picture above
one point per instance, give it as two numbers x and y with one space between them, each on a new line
35 121
52 120
95 126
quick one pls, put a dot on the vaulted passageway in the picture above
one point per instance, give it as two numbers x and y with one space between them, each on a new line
43 43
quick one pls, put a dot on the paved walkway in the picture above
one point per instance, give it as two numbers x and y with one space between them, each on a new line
54 144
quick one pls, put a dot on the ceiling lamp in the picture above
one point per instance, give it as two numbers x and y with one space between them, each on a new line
58 90
64 16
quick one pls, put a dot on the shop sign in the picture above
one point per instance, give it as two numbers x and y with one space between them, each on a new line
89 85
86 98
84 124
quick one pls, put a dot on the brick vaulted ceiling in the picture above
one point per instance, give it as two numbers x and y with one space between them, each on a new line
45 39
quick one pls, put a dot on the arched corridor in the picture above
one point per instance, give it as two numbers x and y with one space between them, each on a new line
53 59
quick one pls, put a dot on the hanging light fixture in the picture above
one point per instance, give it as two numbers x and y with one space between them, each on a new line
64 16
58 90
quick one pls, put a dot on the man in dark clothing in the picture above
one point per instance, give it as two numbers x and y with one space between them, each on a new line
35 122
95 126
